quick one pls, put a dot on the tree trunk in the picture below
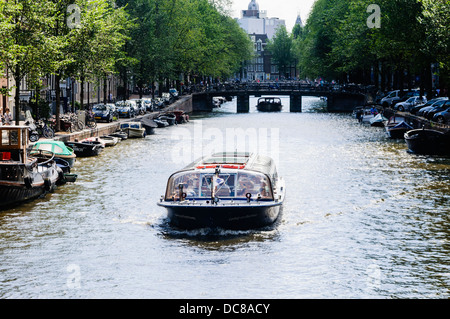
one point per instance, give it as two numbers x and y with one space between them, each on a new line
105 99
17 79
82 93
58 100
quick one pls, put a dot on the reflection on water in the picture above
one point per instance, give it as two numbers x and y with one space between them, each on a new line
363 218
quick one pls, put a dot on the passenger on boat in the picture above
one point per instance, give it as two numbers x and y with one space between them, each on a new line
192 188
245 186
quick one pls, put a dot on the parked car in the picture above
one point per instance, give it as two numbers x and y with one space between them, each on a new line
140 106
158 102
148 103
134 106
415 109
113 108
125 109
390 98
424 111
167 98
174 93
409 103
103 112
438 108
443 116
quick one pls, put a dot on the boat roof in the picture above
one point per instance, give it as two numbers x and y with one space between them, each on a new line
236 160
65 149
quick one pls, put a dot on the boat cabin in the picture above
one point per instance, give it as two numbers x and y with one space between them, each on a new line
233 176
13 143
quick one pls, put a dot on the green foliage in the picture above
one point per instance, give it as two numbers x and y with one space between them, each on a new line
281 49
337 43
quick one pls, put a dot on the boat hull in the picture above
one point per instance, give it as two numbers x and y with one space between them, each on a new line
11 195
396 133
227 216
428 142
269 107
85 149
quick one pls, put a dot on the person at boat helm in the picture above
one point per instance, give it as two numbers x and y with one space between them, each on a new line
245 186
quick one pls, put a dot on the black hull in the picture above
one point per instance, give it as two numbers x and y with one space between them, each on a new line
240 217
396 133
428 142
15 195
85 149
269 107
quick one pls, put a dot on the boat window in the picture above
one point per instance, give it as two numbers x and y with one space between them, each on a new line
5 137
58 149
253 183
14 137
45 147
224 185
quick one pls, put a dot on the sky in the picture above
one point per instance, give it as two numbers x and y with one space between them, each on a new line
283 9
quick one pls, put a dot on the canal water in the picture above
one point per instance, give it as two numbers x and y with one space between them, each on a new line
363 218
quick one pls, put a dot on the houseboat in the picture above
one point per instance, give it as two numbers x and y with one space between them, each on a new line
24 177
236 190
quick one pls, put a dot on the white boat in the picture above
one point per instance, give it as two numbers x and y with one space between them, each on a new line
110 140
133 129
378 120
94 140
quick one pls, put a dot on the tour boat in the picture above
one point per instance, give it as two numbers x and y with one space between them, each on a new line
269 104
24 177
236 190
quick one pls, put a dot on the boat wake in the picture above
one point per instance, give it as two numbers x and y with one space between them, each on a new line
216 234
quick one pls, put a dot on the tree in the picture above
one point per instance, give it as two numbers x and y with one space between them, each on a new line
25 49
97 41
281 49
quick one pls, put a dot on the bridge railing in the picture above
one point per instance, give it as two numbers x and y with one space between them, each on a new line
276 86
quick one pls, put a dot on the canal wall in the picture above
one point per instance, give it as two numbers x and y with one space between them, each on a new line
182 103
417 121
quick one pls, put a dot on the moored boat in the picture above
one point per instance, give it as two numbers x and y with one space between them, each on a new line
269 104
133 129
227 190
428 142
94 140
148 124
378 120
59 149
120 134
85 149
24 177
396 127
110 140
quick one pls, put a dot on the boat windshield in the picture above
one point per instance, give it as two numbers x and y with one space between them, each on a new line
199 185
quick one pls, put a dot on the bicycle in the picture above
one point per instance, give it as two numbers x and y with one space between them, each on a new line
44 130
90 119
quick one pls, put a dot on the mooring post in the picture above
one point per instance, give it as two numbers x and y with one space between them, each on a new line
243 104
295 102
